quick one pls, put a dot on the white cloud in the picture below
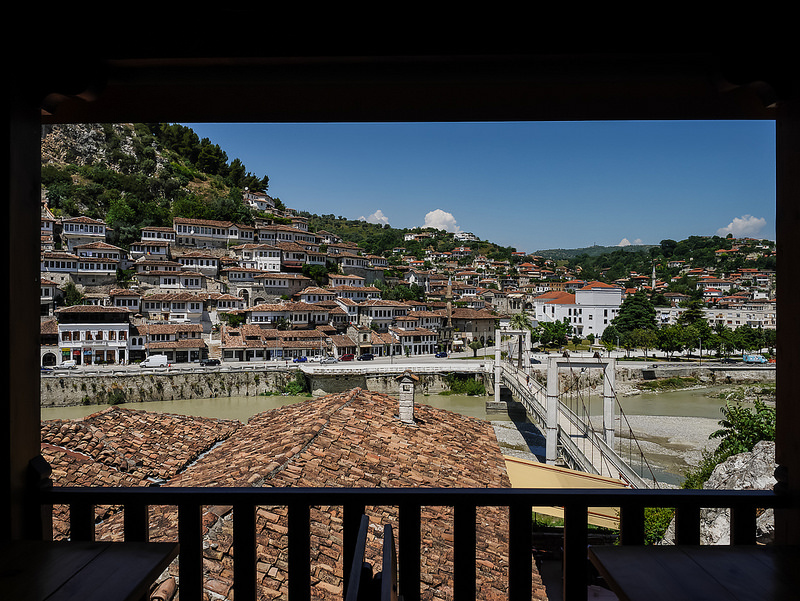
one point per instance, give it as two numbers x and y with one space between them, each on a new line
626 242
376 217
441 220
743 226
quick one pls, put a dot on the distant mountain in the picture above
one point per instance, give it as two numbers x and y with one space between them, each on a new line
592 251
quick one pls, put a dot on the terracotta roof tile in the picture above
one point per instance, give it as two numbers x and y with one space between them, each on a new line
352 439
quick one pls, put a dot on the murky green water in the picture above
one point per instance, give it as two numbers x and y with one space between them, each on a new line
236 407
243 408
682 403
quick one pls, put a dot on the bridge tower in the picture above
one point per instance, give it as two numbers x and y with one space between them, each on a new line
553 393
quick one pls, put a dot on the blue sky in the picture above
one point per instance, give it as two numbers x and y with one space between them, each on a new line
532 186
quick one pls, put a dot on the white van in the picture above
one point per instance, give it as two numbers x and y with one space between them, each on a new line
70 364
155 361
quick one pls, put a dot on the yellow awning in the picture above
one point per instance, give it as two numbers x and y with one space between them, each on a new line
531 474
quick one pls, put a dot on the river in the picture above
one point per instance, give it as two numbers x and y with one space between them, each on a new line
671 427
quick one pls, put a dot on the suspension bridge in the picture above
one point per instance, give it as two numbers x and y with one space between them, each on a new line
578 434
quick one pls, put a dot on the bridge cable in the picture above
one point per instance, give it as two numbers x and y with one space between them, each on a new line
632 437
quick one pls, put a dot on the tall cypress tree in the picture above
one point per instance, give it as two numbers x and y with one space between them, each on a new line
636 312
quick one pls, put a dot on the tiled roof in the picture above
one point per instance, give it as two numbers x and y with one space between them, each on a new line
352 439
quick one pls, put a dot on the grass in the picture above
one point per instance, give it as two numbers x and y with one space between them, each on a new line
663 384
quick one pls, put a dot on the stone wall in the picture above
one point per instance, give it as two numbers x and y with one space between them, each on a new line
76 389
62 391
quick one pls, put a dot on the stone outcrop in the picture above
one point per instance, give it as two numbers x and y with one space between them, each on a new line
746 471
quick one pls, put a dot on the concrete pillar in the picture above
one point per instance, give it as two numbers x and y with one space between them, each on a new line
551 434
609 400
497 374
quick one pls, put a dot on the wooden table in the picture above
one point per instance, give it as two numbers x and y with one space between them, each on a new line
710 572
57 571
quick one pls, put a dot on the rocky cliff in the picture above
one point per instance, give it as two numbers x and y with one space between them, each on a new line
745 471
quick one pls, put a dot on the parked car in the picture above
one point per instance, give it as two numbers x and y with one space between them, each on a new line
327 360
347 357
441 354
69 364
45 370
366 357
206 362
155 361
302 359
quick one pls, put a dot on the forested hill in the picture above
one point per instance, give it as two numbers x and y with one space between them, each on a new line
558 254
139 175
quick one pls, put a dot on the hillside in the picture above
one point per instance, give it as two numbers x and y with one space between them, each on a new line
137 175
557 254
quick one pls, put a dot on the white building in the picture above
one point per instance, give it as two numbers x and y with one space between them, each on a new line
589 310
203 233
82 230
263 257
258 200
89 334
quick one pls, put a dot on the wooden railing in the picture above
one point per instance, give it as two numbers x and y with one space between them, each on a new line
409 501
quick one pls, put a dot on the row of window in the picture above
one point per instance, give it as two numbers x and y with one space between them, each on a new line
86 335
83 228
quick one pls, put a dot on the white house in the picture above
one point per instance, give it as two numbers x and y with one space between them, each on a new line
264 257
296 314
258 200
273 233
47 296
589 310
205 263
336 279
151 249
174 307
203 233
126 299
158 234
59 266
90 334
81 230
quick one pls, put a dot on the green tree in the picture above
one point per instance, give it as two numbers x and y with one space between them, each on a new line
555 333
672 339
475 345
635 312
72 296
748 338
692 312
644 339
742 428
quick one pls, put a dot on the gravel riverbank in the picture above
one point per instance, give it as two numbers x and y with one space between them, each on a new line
672 445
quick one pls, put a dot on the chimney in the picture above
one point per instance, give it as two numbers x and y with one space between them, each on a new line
407 382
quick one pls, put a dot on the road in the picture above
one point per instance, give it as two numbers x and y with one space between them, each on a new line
455 359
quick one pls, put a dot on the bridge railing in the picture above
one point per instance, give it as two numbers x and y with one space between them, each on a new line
137 504
593 454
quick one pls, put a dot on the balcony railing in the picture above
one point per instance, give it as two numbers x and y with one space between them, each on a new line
409 501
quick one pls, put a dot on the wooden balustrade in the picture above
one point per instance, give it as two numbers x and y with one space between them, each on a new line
466 504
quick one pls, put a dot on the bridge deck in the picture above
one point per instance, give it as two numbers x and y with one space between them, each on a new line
581 445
